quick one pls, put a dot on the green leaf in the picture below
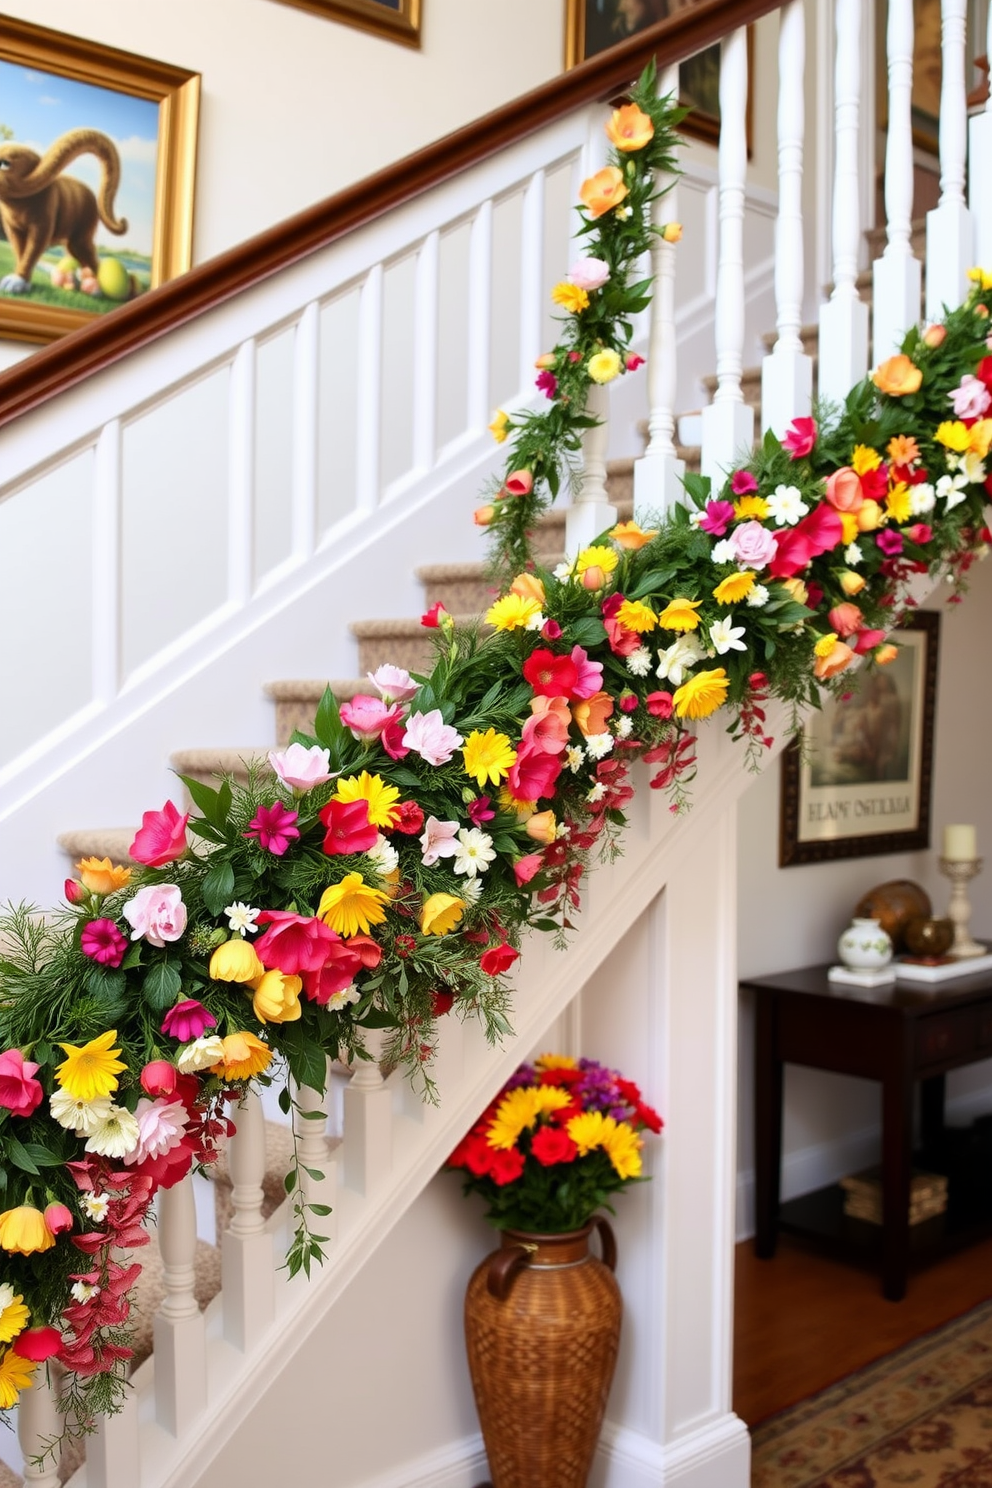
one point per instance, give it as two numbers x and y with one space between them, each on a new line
697 487
654 580
588 631
285 1101
321 1210
203 829
307 1060
311 1115
328 728
204 798
218 887
316 1175
161 986
20 1157
398 775
42 1155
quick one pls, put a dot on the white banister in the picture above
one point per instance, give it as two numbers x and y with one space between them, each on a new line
38 1426
367 443
314 1154
113 1454
368 1121
843 349
950 230
241 474
480 279
897 274
247 1254
180 1347
980 153
306 363
728 422
787 375
591 512
532 288
658 473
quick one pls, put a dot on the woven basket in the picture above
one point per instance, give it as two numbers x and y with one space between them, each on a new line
542 1326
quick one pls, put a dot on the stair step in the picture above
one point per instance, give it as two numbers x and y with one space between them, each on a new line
402 642
98 842
461 587
296 702
207 765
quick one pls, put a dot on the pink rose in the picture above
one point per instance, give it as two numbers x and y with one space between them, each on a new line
58 1218
519 483
846 619
300 767
393 683
161 838
844 490
589 273
367 717
524 869
920 532
157 914
970 398
20 1092
753 545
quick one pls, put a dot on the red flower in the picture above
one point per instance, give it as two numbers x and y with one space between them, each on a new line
534 774
441 1003
338 971
497 959
294 943
159 1077
348 827
480 810
550 675
432 619
369 950
273 827
38 1344
800 437
551 630
875 483
506 1167
659 704
161 838
550 1145
408 818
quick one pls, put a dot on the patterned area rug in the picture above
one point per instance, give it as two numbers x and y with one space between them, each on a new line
919 1418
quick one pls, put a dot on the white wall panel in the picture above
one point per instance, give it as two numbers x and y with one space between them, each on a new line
398 299
275 394
453 296
337 412
504 343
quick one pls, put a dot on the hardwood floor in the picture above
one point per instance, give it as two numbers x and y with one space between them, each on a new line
803 1321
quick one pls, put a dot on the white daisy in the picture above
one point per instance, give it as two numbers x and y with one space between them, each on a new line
471 890
921 499
757 597
383 856
597 793
536 622
82 1291
625 727
853 554
241 918
343 999
82 1117
475 851
562 570
786 505
598 745
116 1136
95 1205
724 551
639 662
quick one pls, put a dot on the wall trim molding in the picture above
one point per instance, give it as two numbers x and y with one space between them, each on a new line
717 1455
460 1464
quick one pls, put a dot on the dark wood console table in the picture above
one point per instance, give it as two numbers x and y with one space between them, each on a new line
897 1034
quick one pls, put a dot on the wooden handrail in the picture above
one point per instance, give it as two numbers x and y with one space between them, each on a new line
84 352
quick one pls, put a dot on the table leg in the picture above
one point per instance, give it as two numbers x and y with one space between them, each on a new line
897 1143
767 1126
932 1111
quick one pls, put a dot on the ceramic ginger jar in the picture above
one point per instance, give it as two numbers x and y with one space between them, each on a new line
865 946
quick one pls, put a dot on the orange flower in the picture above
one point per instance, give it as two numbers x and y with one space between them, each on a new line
591 713
483 515
844 490
629 128
542 827
836 660
897 376
528 586
101 877
604 190
556 705
885 654
903 449
244 1057
671 232
630 536
852 583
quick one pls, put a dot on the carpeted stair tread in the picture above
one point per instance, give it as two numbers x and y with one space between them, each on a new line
98 842
400 642
296 702
206 765
9 1478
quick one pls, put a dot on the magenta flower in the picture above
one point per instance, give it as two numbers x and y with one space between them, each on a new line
161 838
547 383
800 437
480 811
367 717
103 943
187 1021
890 543
717 517
632 361
20 1092
273 827
743 483
293 943
551 630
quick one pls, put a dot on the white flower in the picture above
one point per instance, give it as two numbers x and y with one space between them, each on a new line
696 517
82 1117
680 657
639 662
624 212
949 486
596 794
973 467
471 890
921 499
573 758
116 1136
598 745
562 570
724 551
625 727
727 637
342 999
95 1205
383 856
200 1054
853 554
786 505
562 830
82 1291
536 622
7 1295
475 851
757 597
241 918
437 840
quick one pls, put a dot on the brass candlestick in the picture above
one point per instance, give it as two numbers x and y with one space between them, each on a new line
961 871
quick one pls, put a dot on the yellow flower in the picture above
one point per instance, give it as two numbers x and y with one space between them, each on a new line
980 437
441 913
13 1314
488 756
528 586
749 507
244 1057
702 694
512 612
981 277
680 615
734 588
825 644
16 1374
277 997
555 1061
865 459
542 827
870 516
524 809
23 1231
603 558
588 1130
623 1147
498 427
953 435
897 376
570 297
352 906
91 1069
849 527
899 502
852 583
629 128
636 615
629 535
381 797
797 589
235 961
100 876
604 365
671 232
602 191
519 1109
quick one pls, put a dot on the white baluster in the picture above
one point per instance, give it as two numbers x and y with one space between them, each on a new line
306 394
787 375
728 422
980 152
369 391
844 319
113 1458
897 274
38 1425
658 473
425 353
449 1061
180 1351
531 278
368 1122
246 1248
106 545
314 1153
478 312
950 229
591 512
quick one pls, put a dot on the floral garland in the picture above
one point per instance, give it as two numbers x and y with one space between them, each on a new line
383 875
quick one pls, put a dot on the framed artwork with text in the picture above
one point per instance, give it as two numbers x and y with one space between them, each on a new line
396 20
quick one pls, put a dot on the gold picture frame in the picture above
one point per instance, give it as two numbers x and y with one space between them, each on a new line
140 119
396 20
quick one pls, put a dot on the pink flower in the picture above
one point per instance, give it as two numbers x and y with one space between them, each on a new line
551 630
524 869
20 1093
659 704
156 913
273 827
547 731
480 810
589 678
432 619
294 943
340 967
970 398
393 683
800 437
547 383
103 943
632 361
844 490
161 838
867 641
628 701
74 891
753 545
161 1125
519 483
187 1020
428 735
743 483
589 273
890 543
439 840
392 739
348 827
159 1077
717 517
58 1219
300 767
920 533
793 553
367 717
534 774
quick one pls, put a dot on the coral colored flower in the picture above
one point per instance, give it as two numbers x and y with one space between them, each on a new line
519 483
844 490
293 943
934 336
188 1019
379 797
23 1231
432 618
897 376
534 773
717 517
548 730
902 449
512 612
498 427
603 191
393 683
570 297
159 1077
886 654
367 717
845 619
103 943
498 959
235 961
742 483
603 366
629 128
551 1145
348 827
589 273
352 906
528 586
550 675
680 614
488 756
837 659
440 914
90 1070
734 588
800 437
591 714
428 735
274 828
244 1056
659 704
20 1093
525 868
101 877
702 694
300 767
630 535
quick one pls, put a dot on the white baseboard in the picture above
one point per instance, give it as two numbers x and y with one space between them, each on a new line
460 1464
717 1455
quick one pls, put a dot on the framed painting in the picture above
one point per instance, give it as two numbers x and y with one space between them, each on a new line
858 781
97 164
397 20
593 25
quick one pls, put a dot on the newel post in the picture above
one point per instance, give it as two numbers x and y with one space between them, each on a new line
179 1333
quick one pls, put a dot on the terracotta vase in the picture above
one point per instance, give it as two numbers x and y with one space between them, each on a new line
542 1326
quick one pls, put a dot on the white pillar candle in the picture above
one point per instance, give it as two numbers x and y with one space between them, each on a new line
960 843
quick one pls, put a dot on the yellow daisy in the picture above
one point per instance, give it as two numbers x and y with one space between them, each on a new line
702 694
488 756
849 527
555 1061
441 913
899 502
595 557
352 906
865 459
750 508
588 1130
512 612
498 427
604 365
519 1109
13 1314
825 644
953 435
623 1147
680 615
91 1070
381 798
15 1375
734 588
636 615
244 1057
981 277
570 297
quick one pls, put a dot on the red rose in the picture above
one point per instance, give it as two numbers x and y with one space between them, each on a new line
498 959
506 1167
550 1145
441 1003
